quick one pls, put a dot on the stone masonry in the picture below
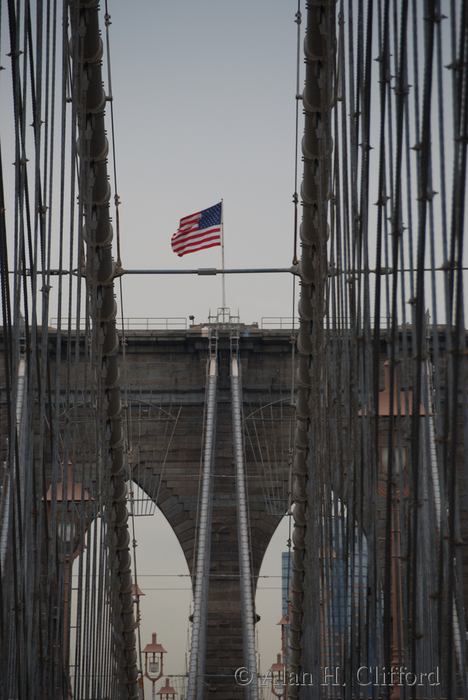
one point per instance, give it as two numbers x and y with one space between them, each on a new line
170 368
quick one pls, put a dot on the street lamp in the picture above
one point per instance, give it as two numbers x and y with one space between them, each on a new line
402 405
69 533
285 623
278 679
278 670
167 692
400 455
68 527
137 593
154 661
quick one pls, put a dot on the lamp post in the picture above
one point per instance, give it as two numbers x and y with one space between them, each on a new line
278 678
154 662
67 521
285 623
401 405
278 670
166 692
69 533
137 593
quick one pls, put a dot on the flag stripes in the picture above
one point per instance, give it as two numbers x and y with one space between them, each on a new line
198 231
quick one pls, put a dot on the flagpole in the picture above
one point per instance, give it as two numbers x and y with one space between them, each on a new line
222 254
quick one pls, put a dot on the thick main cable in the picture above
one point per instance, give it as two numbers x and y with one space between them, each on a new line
100 270
196 679
246 580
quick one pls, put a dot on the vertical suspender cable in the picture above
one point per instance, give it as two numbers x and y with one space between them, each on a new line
246 583
4 523
434 467
198 646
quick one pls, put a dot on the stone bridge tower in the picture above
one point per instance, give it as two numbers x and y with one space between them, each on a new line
165 379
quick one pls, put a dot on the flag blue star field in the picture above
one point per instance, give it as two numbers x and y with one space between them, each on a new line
198 231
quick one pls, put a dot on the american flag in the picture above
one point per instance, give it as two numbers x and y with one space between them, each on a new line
198 231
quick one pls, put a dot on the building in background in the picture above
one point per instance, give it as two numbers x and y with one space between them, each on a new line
286 574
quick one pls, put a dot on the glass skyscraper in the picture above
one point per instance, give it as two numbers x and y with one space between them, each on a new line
286 563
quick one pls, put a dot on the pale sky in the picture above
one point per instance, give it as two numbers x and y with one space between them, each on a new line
204 105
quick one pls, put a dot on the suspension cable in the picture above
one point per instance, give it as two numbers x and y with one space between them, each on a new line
195 689
247 600
298 21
